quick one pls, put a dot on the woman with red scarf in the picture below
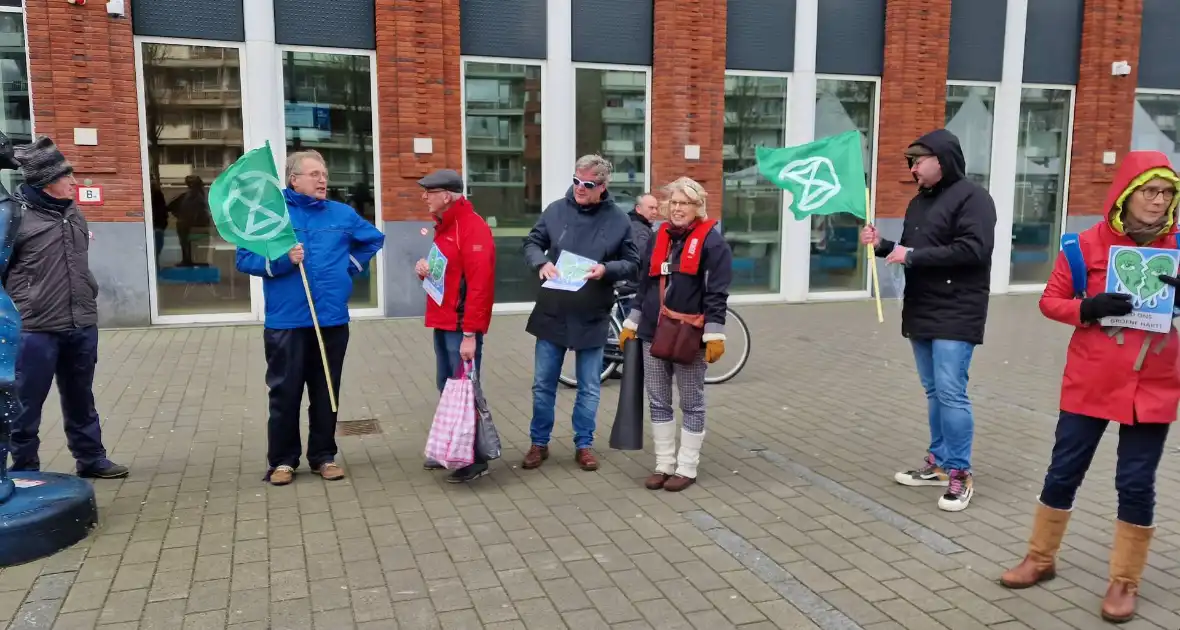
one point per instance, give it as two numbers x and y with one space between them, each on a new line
679 316
1113 374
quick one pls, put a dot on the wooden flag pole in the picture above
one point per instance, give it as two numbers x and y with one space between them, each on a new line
319 336
869 249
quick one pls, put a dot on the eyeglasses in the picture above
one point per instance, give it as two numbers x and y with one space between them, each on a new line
914 159
1151 194
588 185
676 203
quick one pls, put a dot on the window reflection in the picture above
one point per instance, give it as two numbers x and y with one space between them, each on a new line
502 106
1040 183
837 260
969 114
1155 125
611 121
193 107
328 107
752 207
15 119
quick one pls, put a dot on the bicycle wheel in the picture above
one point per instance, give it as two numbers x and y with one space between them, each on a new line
610 363
737 346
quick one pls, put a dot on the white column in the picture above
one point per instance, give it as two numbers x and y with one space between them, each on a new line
558 103
262 101
796 256
1005 141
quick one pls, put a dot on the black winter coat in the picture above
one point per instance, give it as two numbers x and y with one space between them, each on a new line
579 320
641 233
706 292
48 275
951 229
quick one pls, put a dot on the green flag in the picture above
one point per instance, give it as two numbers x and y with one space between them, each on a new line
823 177
248 207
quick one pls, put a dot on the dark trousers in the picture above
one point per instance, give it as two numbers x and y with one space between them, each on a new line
293 362
1139 451
71 356
448 362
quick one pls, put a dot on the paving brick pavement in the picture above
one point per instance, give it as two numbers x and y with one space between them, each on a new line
795 523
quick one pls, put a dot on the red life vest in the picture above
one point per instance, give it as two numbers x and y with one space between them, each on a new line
690 256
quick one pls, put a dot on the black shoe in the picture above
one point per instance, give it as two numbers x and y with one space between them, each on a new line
468 473
430 464
114 471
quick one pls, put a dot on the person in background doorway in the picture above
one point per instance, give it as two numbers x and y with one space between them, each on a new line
50 282
646 211
946 249
192 222
335 243
462 317
159 218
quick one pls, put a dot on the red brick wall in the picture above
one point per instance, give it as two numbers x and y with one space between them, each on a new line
82 74
418 94
913 93
688 93
1104 104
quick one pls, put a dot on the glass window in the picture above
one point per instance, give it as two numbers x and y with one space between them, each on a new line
837 259
15 119
969 111
1041 160
612 122
193 107
328 105
752 207
503 146
1154 127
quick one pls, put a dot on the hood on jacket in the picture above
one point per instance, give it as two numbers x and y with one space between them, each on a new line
606 198
303 201
1138 168
945 146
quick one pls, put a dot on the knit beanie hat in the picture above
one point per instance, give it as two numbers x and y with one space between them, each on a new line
41 163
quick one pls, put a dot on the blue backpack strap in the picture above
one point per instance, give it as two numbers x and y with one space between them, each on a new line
1072 248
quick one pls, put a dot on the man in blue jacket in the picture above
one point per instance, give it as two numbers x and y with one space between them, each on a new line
335 243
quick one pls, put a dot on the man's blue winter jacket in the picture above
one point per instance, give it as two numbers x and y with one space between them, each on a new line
337 244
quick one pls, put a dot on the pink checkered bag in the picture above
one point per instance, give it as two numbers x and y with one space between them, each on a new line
452 434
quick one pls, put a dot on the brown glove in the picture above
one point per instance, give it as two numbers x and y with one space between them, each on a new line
624 336
714 349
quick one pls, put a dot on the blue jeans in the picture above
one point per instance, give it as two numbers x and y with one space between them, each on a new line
446 355
546 368
942 368
1140 448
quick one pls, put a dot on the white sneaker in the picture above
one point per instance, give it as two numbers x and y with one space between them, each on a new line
958 493
927 475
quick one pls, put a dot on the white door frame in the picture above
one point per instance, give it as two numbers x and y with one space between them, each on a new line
255 284
280 152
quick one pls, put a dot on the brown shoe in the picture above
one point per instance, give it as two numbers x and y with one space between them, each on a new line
282 476
534 457
676 483
1127 560
1040 564
586 459
655 481
330 471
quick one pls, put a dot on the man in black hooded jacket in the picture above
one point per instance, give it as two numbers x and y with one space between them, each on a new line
946 248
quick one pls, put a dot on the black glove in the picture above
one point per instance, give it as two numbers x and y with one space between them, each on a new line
1105 305
1171 281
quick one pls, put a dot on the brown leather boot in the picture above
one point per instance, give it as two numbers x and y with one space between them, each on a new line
1039 564
655 481
676 483
586 459
1127 559
534 457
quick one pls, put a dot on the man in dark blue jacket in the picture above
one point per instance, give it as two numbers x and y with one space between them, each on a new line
335 243
585 222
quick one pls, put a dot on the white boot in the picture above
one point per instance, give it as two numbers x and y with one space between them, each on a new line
663 438
690 454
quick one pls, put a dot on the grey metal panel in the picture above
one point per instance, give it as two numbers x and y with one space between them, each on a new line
760 35
196 19
612 31
1158 66
10 3
851 37
503 28
1053 42
328 23
977 40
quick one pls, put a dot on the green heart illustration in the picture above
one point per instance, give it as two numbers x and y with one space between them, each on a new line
1129 268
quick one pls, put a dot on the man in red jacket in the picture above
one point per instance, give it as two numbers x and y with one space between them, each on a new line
459 277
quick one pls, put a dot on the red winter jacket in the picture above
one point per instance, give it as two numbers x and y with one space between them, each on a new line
1100 377
470 281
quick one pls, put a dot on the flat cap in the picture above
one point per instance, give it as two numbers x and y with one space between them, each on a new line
918 150
444 179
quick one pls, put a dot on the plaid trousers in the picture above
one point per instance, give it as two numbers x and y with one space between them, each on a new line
690 381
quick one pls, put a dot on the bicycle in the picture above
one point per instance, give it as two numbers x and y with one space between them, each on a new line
612 357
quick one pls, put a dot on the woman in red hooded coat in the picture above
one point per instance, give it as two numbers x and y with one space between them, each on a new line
1112 374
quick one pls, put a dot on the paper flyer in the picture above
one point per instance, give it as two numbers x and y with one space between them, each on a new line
571 272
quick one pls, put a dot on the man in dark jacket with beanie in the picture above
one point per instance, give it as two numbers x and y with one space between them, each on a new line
50 282
946 248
